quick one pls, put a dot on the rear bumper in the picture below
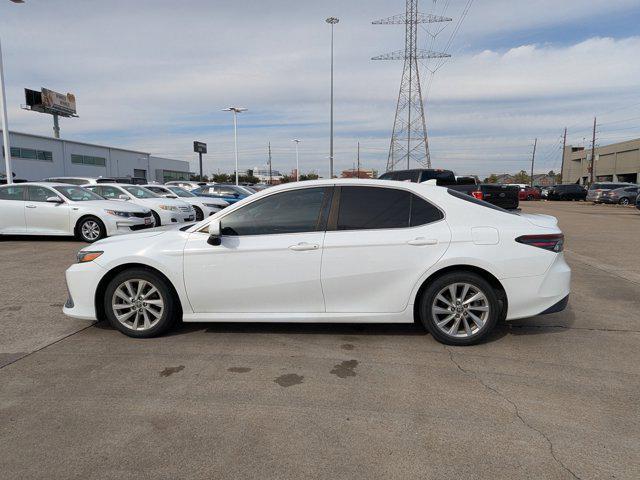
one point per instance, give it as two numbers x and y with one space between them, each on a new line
558 307
531 296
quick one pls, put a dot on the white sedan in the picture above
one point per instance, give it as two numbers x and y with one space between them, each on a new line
332 251
165 210
62 209
204 207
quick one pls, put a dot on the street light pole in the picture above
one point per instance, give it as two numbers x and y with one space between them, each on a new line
236 111
296 141
331 21
5 121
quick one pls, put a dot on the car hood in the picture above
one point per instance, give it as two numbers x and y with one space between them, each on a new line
112 205
155 202
540 220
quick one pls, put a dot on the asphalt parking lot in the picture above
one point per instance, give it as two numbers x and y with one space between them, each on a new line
549 397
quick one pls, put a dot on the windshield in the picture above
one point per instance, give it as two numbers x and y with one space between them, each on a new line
78 194
245 190
140 192
181 192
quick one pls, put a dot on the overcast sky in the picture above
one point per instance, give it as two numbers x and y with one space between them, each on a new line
154 75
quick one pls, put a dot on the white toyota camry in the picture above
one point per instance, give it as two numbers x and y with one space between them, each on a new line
331 251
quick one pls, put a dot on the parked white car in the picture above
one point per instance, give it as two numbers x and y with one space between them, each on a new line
365 251
165 210
80 180
204 207
186 184
62 209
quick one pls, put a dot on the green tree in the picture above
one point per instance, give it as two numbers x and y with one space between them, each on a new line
493 178
522 177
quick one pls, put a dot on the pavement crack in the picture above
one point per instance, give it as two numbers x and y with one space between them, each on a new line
516 411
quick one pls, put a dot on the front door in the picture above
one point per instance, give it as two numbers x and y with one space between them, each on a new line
45 217
269 258
12 218
377 247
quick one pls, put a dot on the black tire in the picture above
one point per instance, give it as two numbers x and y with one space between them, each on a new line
169 313
530 197
156 219
624 201
428 299
90 229
199 213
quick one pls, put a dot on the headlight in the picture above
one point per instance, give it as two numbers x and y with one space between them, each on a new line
118 213
87 256
169 207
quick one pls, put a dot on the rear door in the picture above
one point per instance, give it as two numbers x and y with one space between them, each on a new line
379 242
12 202
45 217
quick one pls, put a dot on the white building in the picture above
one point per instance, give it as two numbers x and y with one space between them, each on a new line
34 157
262 173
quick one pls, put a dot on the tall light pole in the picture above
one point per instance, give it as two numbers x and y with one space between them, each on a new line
331 21
5 121
296 141
236 111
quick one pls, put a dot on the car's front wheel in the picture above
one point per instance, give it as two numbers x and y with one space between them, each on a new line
140 303
199 213
624 201
90 229
459 308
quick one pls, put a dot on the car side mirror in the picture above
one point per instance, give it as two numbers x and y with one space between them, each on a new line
214 233
122 196
54 199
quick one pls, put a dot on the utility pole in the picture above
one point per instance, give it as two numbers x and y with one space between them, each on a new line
331 21
5 124
593 151
270 176
564 146
358 159
533 159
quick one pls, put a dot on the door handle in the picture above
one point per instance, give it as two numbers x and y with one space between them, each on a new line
420 241
31 206
303 246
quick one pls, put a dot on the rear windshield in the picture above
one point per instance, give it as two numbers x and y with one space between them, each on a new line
482 203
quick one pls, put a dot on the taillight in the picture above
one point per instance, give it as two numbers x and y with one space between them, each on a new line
552 242
477 194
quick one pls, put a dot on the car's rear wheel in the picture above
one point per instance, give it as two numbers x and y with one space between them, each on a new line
90 229
459 308
529 197
140 303
624 201
199 214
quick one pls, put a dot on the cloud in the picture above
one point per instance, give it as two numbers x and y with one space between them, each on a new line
155 76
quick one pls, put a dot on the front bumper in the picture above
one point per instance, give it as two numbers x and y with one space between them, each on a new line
121 226
82 280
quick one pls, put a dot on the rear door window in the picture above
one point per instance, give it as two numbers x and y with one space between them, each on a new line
12 193
373 208
39 194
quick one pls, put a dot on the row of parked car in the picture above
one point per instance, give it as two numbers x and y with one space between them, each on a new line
94 208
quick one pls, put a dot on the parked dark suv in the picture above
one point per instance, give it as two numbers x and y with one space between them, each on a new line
570 191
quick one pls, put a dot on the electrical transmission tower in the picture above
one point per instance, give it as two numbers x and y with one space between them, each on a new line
409 140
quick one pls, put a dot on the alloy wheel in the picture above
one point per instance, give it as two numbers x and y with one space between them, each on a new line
137 304
90 230
460 310
624 201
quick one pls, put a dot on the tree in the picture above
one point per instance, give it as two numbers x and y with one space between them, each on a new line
309 176
521 177
221 178
493 178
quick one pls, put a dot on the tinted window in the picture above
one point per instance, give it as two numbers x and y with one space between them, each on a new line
286 212
367 208
422 212
109 192
12 193
469 198
40 194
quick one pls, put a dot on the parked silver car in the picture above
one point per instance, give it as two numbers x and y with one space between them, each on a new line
622 196
596 190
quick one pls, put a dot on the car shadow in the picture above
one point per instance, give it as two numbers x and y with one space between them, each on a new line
41 238
539 325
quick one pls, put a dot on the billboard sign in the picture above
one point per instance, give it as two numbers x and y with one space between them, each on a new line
199 147
60 102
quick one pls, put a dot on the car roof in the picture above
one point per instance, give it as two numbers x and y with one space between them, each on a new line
44 184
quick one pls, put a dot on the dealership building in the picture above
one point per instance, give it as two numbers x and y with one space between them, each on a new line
34 157
618 162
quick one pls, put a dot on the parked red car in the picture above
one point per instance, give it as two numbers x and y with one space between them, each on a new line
529 193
